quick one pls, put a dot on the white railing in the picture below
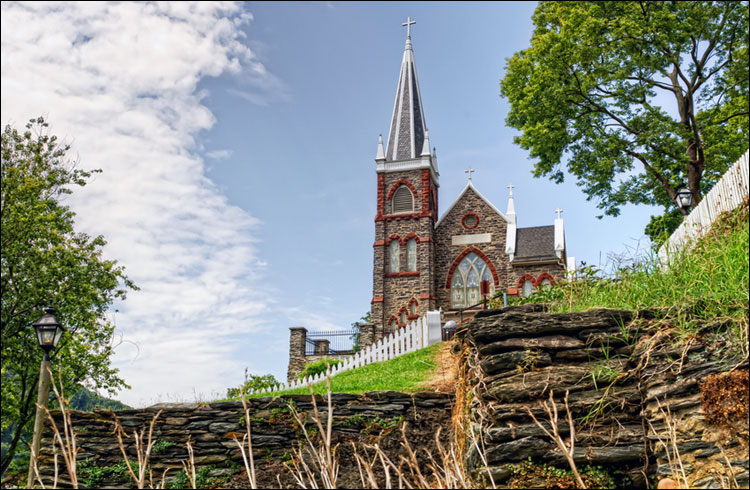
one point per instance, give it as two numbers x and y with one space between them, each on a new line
420 333
728 193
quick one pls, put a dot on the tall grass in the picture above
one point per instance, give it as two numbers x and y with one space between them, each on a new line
707 283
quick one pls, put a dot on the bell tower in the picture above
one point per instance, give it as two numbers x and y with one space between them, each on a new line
407 180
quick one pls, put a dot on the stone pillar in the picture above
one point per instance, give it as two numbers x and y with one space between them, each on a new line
321 347
366 335
297 340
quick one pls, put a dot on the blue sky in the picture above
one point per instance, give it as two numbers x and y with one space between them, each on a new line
238 145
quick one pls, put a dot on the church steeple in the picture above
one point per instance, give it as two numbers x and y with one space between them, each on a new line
406 136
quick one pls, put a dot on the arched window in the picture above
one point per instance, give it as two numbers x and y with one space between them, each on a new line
465 288
402 201
546 283
403 317
413 308
411 255
528 288
394 261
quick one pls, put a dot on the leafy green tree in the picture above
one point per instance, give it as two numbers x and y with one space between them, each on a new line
45 260
634 98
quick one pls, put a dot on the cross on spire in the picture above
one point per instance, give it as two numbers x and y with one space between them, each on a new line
510 188
558 211
469 171
408 24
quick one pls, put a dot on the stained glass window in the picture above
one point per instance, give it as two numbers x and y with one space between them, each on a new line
465 285
394 250
411 255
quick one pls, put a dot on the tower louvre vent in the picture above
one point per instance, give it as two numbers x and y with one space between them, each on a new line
403 201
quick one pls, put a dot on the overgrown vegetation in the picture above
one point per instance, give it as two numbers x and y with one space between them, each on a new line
317 367
529 475
405 373
253 383
707 284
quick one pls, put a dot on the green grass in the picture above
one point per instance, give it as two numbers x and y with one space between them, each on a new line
707 284
404 373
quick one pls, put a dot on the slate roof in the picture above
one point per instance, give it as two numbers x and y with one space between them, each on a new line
535 243
407 132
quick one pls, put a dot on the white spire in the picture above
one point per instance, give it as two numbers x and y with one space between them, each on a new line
434 159
510 235
381 152
559 234
426 145
511 206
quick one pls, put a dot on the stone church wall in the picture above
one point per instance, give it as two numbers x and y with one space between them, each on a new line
446 252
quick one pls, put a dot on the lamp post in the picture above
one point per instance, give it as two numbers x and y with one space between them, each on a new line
48 333
684 199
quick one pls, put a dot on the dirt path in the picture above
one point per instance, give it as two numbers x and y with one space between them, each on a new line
443 380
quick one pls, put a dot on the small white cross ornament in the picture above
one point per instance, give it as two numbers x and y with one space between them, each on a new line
558 211
469 171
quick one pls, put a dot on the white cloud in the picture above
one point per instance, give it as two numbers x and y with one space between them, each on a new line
119 81
219 154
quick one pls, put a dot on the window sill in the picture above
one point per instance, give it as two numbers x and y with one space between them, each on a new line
402 274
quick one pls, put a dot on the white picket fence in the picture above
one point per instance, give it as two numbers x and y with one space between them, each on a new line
421 333
728 193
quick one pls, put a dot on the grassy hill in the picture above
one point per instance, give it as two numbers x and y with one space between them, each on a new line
406 373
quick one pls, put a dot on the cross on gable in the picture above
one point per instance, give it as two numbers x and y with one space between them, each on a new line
408 24
469 171
558 211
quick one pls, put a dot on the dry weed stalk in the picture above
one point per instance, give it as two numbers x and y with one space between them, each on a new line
322 457
555 434
68 447
189 466
674 460
247 458
143 454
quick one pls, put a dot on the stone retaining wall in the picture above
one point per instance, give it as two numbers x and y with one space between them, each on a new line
618 375
211 426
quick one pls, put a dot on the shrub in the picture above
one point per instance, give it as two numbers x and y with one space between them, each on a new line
320 366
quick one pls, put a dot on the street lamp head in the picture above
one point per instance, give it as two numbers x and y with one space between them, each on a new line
684 198
48 330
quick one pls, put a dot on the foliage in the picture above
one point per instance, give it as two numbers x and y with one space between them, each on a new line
253 382
317 367
405 373
707 284
93 476
44 260
526 474
633 97
364 319
86 401
203 479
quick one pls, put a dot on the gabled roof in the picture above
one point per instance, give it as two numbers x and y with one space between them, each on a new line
466 189
406 135
535 243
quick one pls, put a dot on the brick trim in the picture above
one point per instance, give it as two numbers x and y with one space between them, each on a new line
399 217
426 296
543 276
402 241
377 299
398 184
393 236
461 256
426 185
379 243
524 278
402 274
463 221
513 291
381 196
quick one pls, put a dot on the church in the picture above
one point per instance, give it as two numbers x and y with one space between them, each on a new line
424 261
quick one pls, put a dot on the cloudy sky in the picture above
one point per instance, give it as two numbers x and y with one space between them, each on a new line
237 143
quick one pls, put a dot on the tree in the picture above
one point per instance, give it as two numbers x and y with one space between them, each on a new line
635 97
44 260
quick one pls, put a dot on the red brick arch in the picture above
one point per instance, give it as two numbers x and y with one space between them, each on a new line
398 184
524 278
467 251
543 276
391 238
